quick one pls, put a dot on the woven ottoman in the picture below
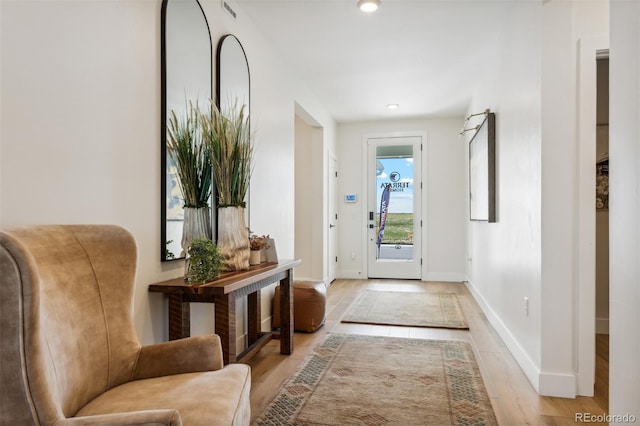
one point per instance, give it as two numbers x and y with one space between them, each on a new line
309 304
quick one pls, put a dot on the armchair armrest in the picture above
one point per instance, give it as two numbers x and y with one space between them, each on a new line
189 355
134 418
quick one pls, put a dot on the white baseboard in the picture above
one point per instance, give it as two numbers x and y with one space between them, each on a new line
265 324
602 325
429 276
350 275
455 277
241 343
547 384
304 278
557 384
527 365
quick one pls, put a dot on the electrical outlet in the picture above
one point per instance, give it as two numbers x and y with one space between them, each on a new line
526 306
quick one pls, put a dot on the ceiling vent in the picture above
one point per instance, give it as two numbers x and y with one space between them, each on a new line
229 8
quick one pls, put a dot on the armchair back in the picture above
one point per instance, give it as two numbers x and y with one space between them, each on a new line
67 335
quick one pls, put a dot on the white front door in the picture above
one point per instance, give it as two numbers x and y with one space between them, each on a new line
394 207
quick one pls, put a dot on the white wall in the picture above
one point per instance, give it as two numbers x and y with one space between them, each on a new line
81 125
568 214
624 349
533 251
559 194
81 129
444 189
505 256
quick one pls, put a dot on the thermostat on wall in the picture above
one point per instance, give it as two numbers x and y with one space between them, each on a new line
350 198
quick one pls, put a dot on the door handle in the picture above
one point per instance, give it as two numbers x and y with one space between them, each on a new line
331 225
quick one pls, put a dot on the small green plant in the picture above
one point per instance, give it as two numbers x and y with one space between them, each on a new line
205 262
168 253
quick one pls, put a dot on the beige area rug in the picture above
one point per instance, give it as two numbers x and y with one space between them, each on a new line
407 309
372 380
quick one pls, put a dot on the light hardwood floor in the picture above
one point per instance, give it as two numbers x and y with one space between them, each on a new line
513 398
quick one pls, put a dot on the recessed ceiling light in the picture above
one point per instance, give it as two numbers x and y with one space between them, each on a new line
393 106
368 5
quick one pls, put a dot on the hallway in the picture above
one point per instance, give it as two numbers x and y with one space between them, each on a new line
514 400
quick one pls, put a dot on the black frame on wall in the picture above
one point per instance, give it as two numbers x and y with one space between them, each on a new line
482 171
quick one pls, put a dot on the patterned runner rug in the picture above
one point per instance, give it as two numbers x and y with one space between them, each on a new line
372 380
407 309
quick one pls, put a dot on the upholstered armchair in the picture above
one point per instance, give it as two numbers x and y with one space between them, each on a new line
69 354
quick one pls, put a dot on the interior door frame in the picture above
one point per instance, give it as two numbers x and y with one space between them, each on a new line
365 189
332 196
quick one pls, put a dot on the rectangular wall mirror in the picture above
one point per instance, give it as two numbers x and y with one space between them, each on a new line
482 171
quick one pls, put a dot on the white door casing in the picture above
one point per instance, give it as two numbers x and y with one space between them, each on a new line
332 216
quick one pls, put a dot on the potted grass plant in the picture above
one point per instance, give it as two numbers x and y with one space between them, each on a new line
229 144
188 151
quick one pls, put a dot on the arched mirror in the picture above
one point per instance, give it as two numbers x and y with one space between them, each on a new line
233 74
186 77
233 81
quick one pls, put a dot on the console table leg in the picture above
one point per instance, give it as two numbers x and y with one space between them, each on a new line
286 314
225 308
254 317
179 317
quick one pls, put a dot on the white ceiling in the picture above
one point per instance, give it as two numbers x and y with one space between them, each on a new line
425 55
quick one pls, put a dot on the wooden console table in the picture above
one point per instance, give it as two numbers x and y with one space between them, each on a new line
223 292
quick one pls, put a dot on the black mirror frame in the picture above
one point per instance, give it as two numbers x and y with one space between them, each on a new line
163 122
219 64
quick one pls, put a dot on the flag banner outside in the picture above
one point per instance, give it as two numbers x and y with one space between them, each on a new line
384 209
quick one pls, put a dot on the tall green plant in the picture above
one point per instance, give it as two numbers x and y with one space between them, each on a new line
186 148
229 142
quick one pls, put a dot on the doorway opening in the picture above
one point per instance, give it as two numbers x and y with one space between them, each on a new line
601 388
308 196
315 201
590 49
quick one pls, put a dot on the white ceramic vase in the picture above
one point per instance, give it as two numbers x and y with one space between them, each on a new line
197 223
233 238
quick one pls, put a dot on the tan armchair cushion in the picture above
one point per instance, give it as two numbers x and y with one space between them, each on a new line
200 398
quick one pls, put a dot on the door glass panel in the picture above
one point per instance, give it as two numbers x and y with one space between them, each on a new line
394 217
